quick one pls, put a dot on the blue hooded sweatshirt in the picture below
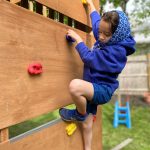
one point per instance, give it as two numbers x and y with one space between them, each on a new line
104 62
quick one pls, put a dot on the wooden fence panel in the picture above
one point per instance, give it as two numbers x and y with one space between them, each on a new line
134 78
26 37
73 9
54 138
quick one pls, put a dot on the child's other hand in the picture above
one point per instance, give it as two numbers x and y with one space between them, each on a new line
74 35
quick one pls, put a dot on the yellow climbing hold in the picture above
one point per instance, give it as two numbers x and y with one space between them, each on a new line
84 1
70 129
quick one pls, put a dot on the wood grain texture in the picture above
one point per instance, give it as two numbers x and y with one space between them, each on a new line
73 9
26 37
55 138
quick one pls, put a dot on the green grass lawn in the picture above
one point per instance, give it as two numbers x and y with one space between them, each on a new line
140 131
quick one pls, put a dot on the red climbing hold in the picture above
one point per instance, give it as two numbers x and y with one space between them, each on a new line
35 68
94 118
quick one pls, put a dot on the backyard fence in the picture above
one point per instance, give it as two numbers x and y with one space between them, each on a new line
134 80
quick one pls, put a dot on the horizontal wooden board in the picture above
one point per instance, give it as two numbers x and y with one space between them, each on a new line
26 37
55 138
73 9
15 1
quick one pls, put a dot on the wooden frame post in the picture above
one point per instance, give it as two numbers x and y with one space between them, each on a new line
44 11
148 71
4 135
30 5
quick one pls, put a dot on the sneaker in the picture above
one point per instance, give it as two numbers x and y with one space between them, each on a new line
71 115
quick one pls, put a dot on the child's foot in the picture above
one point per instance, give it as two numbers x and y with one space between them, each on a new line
71 115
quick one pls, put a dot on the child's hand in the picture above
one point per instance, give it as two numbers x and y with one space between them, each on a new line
89 2
91 5
74 35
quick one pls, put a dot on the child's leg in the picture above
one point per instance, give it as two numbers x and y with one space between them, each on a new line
87 126
80 91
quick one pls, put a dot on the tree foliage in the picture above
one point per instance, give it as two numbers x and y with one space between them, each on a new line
141 15
116 3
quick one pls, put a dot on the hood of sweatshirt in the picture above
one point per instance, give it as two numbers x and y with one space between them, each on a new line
123 29
122 35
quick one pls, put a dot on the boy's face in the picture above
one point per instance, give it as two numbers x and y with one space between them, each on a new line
104 31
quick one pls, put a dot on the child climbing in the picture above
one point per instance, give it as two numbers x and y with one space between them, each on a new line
102 65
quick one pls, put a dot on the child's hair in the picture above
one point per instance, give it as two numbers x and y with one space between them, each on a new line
111 17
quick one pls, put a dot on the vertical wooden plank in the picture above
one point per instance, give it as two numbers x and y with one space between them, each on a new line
44 11
73 24
30 5
148 71
119 94
4 135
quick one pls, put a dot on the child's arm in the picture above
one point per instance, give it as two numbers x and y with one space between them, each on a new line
109 59
91 5
95 18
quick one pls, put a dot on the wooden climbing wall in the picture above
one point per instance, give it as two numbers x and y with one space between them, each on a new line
27 37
